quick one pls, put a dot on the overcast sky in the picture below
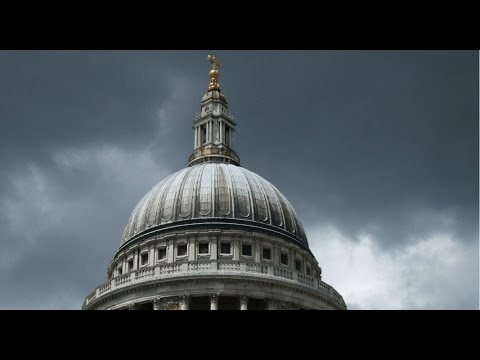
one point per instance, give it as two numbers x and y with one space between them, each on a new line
376 150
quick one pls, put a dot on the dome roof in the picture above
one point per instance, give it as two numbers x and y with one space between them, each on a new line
218 193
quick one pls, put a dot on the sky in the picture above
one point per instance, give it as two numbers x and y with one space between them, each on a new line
377 151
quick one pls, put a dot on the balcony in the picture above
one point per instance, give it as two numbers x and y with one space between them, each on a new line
214 267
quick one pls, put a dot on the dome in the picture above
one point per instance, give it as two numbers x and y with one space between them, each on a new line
215 193
214 236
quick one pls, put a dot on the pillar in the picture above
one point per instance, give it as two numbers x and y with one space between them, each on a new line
276 255
135 260
131 306
243 302
184 302
191 249
156 304
213 302
257 251
221 132
170 248
151 255
213 248
236 250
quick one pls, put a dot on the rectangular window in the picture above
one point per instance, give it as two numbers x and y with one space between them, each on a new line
144 258
130 265
227 135
267 253
298 265
225 248
247 250
182 250
284 258
203 248
162 253
203 132
309 270
119 271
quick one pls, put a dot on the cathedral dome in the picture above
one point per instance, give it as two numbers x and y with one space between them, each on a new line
214 236
214 194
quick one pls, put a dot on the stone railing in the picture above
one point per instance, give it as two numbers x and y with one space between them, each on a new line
305 279
212 267
91 296
228 265
144 273
105 287
282 272
257 268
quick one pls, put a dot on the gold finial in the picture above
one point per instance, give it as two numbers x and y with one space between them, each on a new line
214 74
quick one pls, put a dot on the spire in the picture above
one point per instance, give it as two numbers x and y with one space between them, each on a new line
214 127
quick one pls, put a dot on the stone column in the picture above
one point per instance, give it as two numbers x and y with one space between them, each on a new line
243 302
195 137
257 251
213 248
276 255
236 249
184 302
157 304
191 249
271 304
292 260
151 255
213 302
221 132
135 260
170 249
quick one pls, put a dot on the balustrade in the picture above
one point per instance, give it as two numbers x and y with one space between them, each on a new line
167 270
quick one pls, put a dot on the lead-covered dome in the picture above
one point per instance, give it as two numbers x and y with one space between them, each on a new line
215 192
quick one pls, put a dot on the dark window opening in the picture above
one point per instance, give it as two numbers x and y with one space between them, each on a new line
225 248
267 253
162 253
203 132
247 250
309 270
144 259
203 248
119 270
284 259
182 250
200 303
130 265
298 265
227 135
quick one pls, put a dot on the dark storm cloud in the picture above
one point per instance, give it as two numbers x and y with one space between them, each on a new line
377 138
385 142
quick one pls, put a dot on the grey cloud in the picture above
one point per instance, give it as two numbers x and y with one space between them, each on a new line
378 141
